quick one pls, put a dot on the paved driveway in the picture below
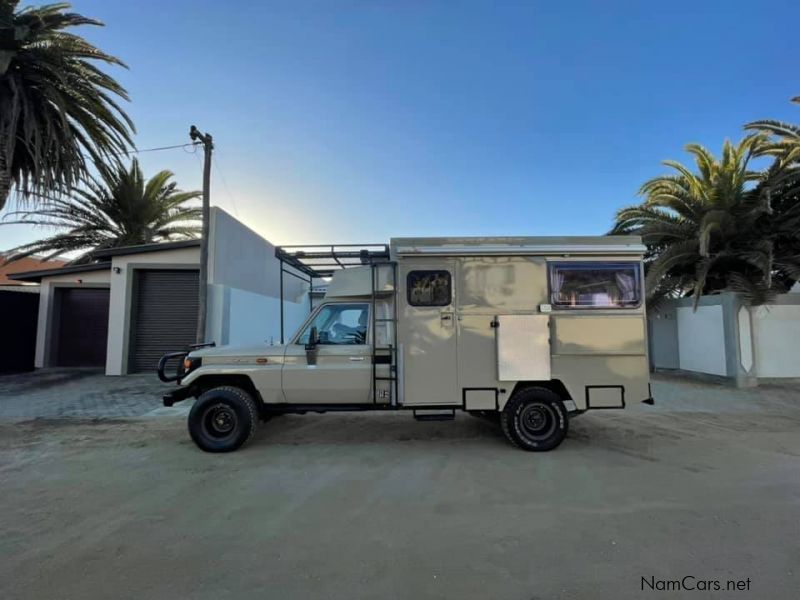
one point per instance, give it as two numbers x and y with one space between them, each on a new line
81 393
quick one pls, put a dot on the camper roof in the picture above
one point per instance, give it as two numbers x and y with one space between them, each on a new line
514 246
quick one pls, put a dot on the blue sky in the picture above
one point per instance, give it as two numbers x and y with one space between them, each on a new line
358 121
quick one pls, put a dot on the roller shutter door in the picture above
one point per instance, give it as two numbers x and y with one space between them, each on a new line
164 315
82 327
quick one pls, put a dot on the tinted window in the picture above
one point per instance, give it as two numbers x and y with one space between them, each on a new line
339 324
429 288
595 285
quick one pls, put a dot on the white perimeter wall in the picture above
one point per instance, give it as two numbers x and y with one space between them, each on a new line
254 318
776 337
701 339
244 287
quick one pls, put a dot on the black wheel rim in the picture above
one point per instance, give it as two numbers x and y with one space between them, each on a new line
537 421
219 421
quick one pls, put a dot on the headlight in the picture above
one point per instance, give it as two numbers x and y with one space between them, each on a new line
191 363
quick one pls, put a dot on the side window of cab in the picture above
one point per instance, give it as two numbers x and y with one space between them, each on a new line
339 324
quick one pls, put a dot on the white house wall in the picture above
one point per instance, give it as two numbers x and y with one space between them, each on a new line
119 310
776 332
244 290
701 339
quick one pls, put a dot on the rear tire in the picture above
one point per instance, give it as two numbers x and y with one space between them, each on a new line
535 419
223 419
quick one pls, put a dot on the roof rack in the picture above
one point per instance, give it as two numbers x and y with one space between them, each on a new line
309 262
325 259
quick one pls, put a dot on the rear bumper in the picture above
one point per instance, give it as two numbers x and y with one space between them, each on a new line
182 393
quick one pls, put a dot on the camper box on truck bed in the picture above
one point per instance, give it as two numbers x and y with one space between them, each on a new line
525 330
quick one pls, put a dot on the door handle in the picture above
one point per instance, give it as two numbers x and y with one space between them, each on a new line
357 358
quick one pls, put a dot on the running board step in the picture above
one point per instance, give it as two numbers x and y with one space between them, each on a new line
435 415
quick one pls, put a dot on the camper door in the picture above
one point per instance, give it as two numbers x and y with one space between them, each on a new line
428 326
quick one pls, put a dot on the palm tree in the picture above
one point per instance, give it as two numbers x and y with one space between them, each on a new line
57 108
716 229
118 208
788 135
783 189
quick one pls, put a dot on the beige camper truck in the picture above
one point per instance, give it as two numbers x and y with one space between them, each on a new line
529 331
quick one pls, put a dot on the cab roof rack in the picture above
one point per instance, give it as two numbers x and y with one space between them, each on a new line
324 260
309 262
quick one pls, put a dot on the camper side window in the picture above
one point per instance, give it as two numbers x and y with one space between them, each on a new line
595 285
429 288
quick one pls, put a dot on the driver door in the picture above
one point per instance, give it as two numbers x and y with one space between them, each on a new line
341 364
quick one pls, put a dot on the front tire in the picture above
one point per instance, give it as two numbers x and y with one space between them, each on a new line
223 419
535 419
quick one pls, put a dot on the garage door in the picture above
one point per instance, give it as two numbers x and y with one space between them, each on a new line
164 316
81 315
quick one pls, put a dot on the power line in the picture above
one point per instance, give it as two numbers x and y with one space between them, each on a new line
143 150
128 152
192 145
225 185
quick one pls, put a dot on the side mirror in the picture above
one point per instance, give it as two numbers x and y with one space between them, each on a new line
313 339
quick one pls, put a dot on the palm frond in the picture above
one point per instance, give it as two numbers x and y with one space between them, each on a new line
722 225
778 128
119 207
56 105
753 292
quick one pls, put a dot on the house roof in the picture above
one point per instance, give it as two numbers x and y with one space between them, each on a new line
25 265
101 265
37 276
142 248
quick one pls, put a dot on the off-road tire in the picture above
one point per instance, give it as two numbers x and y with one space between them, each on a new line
223 419
520 417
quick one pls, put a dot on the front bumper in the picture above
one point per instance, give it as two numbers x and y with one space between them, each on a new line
179 370
182 393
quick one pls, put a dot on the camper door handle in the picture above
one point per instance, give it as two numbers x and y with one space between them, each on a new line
447 317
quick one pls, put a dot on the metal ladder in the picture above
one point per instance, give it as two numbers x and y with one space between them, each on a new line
386 354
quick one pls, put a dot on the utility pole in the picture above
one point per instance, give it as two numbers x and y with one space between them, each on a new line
202 303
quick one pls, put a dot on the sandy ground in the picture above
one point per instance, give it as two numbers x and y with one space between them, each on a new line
705 484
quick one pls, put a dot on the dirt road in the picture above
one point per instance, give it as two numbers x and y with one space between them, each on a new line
706 484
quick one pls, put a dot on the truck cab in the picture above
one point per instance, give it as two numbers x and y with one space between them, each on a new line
525 331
